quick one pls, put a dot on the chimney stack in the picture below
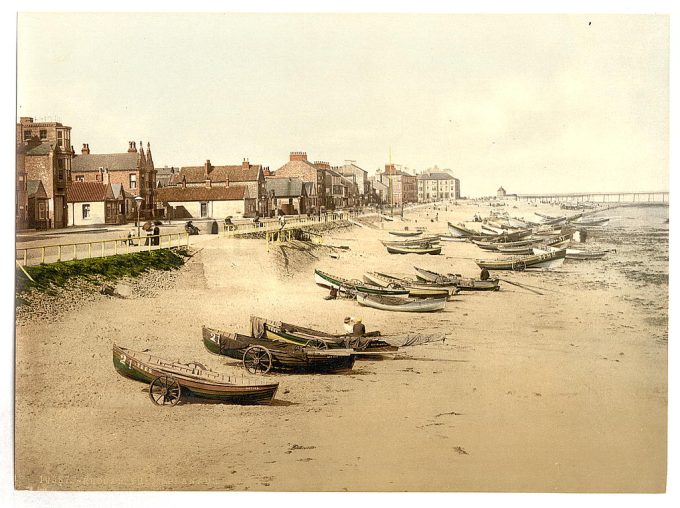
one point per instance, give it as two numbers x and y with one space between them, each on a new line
86 149
132 148
245 164
106 177
390 169
298 156
322 165
207 168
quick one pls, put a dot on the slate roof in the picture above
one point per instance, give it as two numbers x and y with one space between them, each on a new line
180 194
83 192
196 174
435 176
285 187
113 161
41 149
36 189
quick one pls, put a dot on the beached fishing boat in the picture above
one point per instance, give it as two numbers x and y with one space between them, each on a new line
591 222
170 380
414 249
451 238
369 344
547 260
584 254
415 289
460 231
353 286
556 242
486 228
462 283
405 233
401 304
260 355
426 240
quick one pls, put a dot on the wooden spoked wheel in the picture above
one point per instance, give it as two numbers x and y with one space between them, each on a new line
165 391
519 266
257 360
317 343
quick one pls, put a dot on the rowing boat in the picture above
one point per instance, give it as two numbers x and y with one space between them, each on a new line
415 289
193 378
462 283
591 222
460 231
556 242
414 249
262 355
584 255
369 344
540 259
405 233
401 304
426 240
353 286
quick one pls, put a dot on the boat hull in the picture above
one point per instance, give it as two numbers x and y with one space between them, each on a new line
286 357
130 364
402 305
393 249
330 281
546 260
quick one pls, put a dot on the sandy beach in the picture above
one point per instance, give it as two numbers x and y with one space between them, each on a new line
562 391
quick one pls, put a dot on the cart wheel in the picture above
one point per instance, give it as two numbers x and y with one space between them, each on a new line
165 391
257 360
317 343
519 266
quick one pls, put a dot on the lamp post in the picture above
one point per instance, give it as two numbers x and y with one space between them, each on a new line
138 201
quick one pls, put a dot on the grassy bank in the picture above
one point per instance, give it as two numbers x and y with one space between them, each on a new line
47 277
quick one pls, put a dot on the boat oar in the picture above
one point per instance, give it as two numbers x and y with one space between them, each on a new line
522 286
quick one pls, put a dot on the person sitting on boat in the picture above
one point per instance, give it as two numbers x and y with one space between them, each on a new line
349 325
358 330
333 294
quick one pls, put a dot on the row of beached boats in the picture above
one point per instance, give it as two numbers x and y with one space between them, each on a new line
272 346
427 292
531 244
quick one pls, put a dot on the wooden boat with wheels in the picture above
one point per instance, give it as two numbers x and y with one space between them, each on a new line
540 259
368 344
414 249
461 283
260 355
402 304
353 286
169 380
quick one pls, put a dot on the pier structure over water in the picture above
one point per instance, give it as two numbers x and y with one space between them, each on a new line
601 197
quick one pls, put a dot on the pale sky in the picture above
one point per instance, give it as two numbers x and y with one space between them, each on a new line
536 103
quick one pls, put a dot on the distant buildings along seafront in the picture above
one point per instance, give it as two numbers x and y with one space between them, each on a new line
56 187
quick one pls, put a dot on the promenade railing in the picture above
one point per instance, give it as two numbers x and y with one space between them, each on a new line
54 253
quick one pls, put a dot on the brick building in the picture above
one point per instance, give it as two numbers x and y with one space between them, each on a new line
43 154
359 177
403 187
299 166
133 170
205 201
249 176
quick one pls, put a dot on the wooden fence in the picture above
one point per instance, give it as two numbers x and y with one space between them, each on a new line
268 225
55 253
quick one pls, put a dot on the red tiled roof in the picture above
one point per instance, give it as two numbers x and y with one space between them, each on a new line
196 174
179 194
80 192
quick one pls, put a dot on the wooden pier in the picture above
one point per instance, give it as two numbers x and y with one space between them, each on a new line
659 197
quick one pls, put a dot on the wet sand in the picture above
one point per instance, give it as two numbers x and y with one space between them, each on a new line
560 392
